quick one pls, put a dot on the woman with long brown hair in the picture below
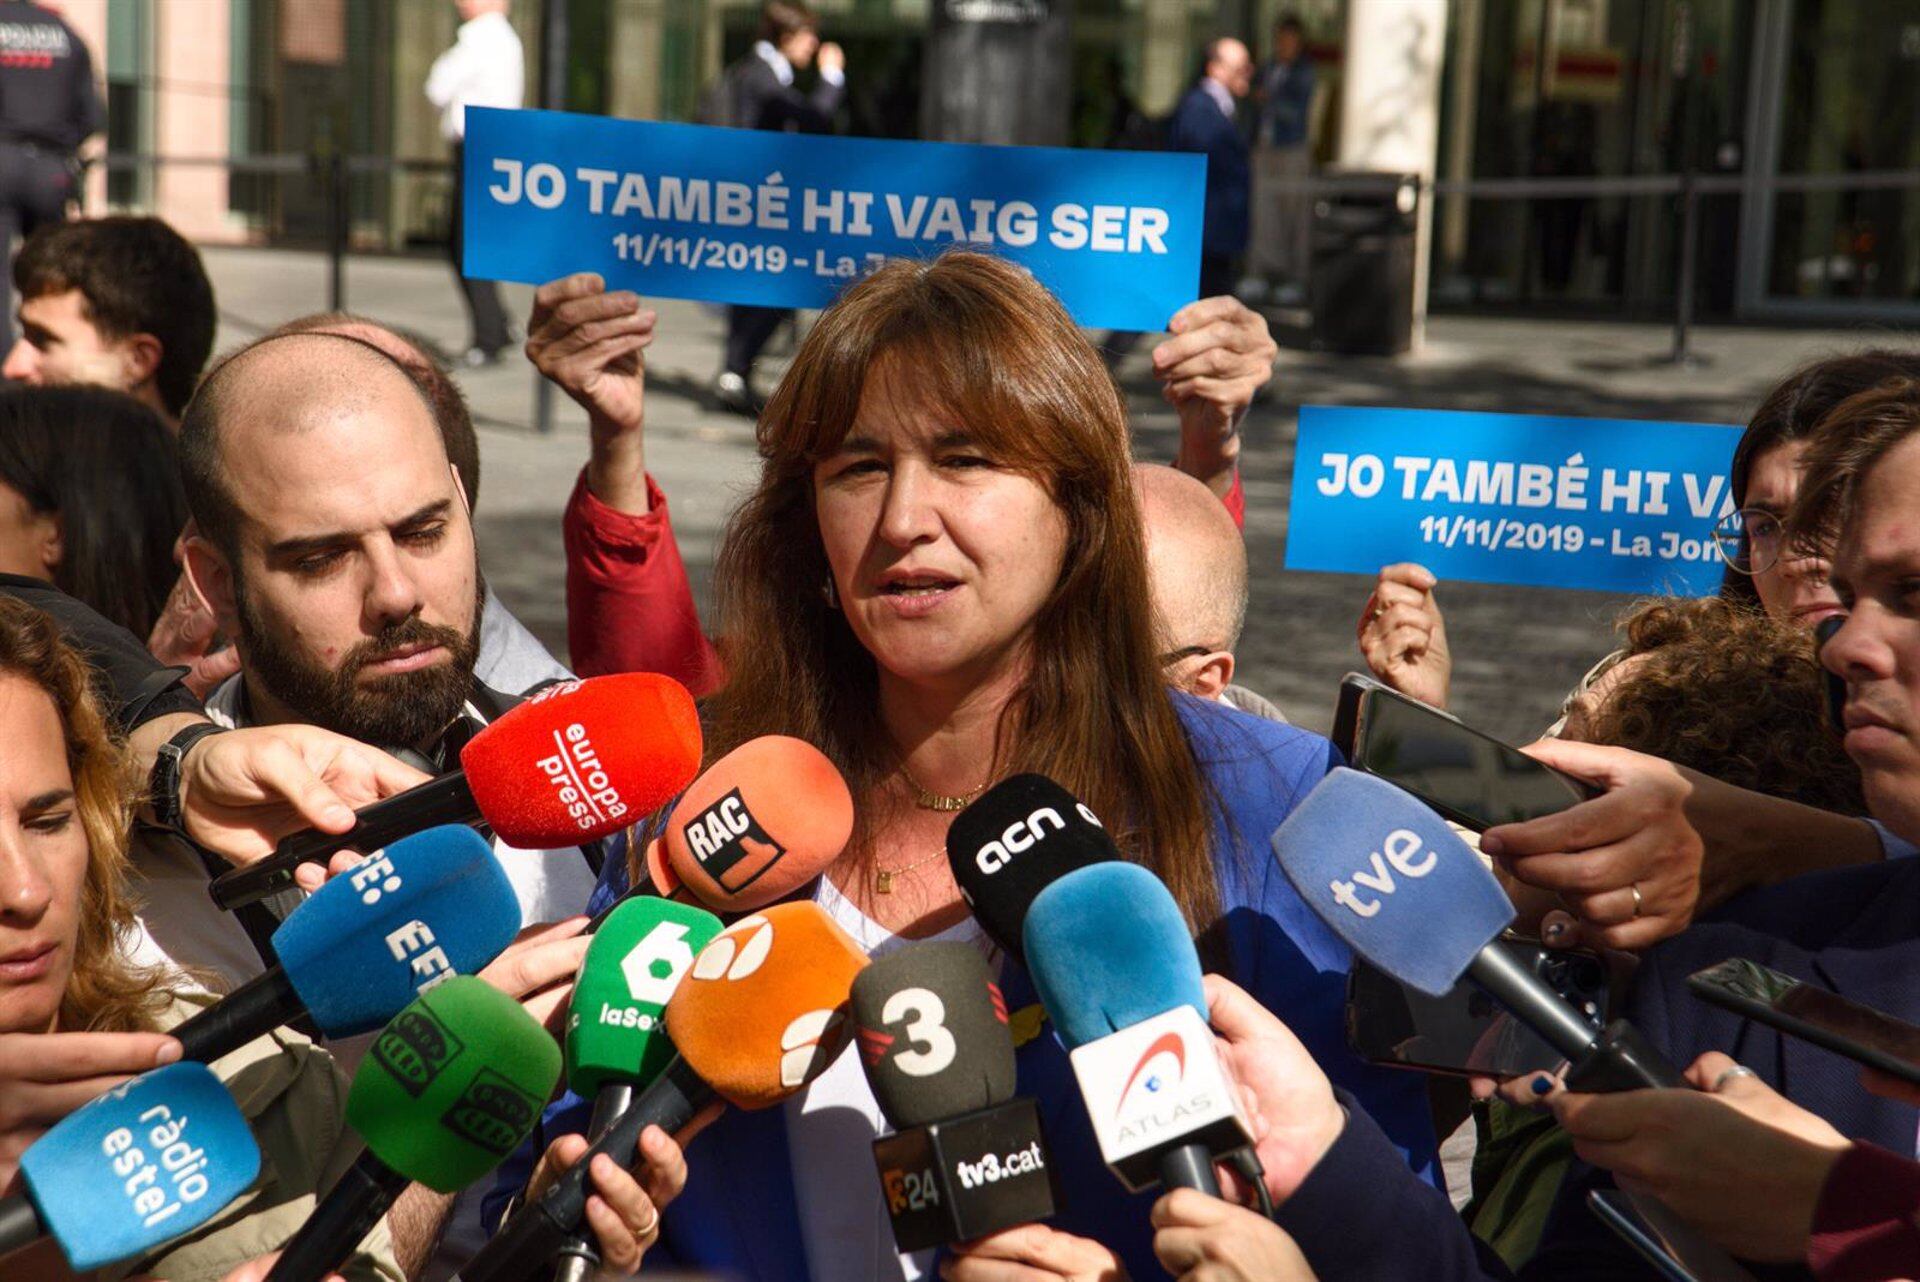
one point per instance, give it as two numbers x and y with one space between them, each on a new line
940 581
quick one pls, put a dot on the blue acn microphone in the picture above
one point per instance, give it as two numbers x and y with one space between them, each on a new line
1116 969
1387 875
356 952
151 1160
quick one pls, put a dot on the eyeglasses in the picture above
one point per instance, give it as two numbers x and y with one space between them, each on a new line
1172 657
1749 540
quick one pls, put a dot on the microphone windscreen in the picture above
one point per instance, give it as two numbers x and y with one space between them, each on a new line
661 879
149 1161
1015 839
932 1028
1107 947
368 941
583 759
1392 879
616 1020
762 821
453 1084
763 1011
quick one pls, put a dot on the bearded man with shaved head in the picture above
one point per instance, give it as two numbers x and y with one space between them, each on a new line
334 543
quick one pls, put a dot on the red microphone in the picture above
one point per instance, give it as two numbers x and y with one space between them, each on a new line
576 762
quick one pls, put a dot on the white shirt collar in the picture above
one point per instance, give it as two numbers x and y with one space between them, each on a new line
782 69
1221 95
479 23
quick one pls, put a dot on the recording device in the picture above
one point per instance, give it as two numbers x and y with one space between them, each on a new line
966 1158
149 1161
1464 1031
763 821
616 1022
369 941
1401 888
1017 838
451 1087
1116 969
1813 1014
1471 778
761 1012
1834 686
576 762
1617 1212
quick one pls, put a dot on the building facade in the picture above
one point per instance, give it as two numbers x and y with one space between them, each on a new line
1806 112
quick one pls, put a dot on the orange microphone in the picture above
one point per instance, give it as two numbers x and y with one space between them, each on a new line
763 821
761 1012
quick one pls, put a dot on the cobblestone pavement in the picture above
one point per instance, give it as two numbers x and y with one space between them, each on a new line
1517 650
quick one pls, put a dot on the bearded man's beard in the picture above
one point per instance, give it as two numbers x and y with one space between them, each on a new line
399 710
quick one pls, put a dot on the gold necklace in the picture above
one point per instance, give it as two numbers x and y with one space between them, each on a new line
883 877
941 801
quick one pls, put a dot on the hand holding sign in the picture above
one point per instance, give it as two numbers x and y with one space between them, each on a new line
590 342
1220 356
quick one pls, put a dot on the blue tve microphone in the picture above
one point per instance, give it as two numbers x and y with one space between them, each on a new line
1117 971
360 948
147 1162
1390 877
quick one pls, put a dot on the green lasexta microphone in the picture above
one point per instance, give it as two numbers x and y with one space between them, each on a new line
617 1039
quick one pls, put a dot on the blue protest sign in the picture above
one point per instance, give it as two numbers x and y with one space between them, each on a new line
786 220
1608 504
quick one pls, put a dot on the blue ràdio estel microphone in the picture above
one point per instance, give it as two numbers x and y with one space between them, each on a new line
149 1161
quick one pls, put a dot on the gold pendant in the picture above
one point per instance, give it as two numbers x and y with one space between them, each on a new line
935 801
883 882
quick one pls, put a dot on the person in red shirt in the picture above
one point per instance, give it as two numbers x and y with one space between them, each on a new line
630 604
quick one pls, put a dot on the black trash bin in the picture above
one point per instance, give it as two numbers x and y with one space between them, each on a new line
1360 288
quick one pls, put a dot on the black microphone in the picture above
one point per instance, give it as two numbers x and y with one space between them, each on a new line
1015 840
966 1158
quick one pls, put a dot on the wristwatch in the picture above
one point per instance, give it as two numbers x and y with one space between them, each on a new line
163 783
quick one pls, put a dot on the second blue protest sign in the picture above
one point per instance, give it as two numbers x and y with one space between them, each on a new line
1613 505
787 220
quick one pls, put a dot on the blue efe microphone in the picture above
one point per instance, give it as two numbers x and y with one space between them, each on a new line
1389 877
360 948
1116 969
149 1161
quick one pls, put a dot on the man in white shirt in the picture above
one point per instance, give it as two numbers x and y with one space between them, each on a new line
485 68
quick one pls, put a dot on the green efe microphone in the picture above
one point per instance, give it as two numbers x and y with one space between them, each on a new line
450 1087
616 1026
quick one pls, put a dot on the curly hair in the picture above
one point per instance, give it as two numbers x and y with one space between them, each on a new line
1725 690
106 992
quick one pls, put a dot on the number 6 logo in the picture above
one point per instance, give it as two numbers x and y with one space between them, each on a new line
932 1045
654 965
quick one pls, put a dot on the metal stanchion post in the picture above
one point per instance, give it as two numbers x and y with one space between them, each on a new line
1682 353
336 180
554 39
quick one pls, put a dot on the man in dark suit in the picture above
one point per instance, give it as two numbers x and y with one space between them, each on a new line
759 94
1204 122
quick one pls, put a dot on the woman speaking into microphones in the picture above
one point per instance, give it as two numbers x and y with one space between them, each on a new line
939 581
